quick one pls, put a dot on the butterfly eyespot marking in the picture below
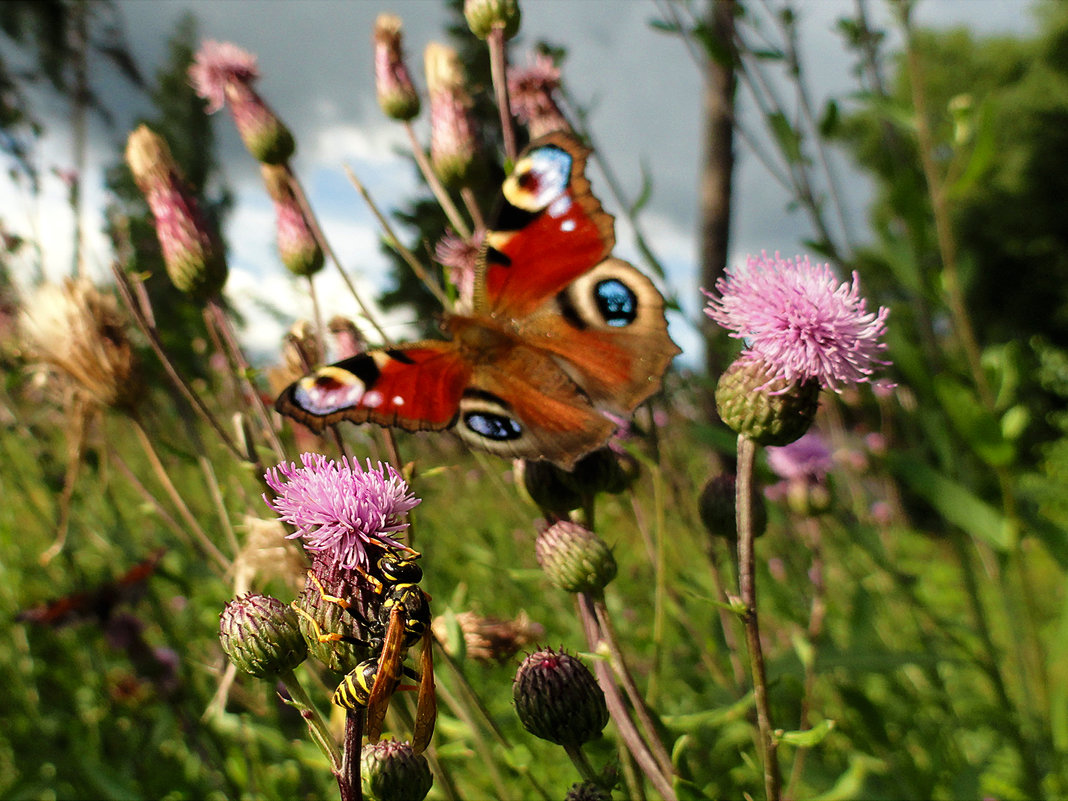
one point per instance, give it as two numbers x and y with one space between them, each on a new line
616 302
493 426
539 179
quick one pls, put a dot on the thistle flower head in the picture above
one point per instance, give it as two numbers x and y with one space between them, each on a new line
483 16
297 244
558 699
338 508
261 636
191 248
78 330
392 771
574 558
530 94
800 321
460 256
393 83
453 137
218 65
223 73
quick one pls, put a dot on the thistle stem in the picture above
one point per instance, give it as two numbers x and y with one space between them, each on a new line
747 590
499 74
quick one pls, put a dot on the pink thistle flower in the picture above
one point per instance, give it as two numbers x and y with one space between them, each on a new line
807 458
224 73
454 141
800 321
297 244
460 256
530 94
340 509
218 66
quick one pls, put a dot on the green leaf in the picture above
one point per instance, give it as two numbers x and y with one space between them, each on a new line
851 783
829 121
807 738
787 136
955 502
978 426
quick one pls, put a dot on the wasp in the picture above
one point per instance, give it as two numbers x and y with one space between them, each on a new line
402 620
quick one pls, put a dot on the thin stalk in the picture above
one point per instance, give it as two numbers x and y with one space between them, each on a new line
641 708
456 219
471 204
747 591
317 728
395 243
499 74
617 708
147 327
660 579
220 505
579 760
324 243
222 325
203 540
348 779
458 708
75 449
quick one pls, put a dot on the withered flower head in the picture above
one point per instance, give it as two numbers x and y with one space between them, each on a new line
78 330
530 94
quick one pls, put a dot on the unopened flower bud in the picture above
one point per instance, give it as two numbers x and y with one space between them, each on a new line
391 771
453 141
574 558
717 506
260 635
297 244
393 83
483 16
558 699
764 408
192 250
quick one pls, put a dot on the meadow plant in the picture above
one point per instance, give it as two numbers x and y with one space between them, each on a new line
667 682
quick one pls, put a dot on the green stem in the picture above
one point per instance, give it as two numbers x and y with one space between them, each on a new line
578 758
317 727
747 590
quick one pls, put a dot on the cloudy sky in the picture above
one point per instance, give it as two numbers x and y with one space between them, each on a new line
641 86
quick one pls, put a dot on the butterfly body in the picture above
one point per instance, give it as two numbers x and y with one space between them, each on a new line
560 333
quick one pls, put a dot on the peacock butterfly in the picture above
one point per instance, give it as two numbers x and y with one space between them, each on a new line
560 334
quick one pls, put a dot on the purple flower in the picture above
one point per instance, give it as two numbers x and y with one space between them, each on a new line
800 321
807 458
340 508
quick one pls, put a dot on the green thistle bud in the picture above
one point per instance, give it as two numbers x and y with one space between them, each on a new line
261 636
587 791
764 408
574 558
717 506
558 699
391 771
485 15
264 134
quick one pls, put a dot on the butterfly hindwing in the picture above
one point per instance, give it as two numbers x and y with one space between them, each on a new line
414 387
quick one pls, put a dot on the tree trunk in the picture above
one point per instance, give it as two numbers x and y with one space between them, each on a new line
718 170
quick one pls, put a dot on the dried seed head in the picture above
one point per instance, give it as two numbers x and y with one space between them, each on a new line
78 330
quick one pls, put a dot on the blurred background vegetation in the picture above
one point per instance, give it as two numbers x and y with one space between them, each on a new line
920 606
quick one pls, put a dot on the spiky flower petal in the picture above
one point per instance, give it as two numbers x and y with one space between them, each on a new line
339 507
801 322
